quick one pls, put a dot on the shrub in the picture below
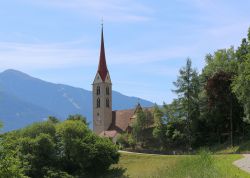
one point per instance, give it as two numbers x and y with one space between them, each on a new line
60 149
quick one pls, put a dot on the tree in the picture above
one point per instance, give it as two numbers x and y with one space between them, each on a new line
122 140
82 152
78 117
148 118
188 88
223 105
222 60
10 165
241 83
58 149
173 111
53 119
39 153
175 135
244 49
221 113
158 131
139 125
241 87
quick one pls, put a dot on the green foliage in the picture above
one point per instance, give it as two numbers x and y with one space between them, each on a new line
188 88
244 147
222 80
10 165
173 111
176 135
59 149
36 129
243 50
105 155
222 60
210 108
131 141
139 125
222 106
84 151
53 119
39 153
53 173
241 86
122 140
78 117
158 116
158 131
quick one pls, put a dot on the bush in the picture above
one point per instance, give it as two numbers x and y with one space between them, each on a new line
131 141
61 149
122 140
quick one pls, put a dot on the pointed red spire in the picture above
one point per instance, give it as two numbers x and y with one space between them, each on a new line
102 67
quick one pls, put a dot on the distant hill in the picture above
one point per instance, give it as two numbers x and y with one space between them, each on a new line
25 99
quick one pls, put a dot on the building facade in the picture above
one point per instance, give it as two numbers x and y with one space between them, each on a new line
102 94
108 123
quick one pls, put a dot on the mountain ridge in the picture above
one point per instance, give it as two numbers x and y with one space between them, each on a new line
26 99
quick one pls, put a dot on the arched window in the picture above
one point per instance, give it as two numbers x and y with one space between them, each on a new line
107 103
107 90
98 90
98 103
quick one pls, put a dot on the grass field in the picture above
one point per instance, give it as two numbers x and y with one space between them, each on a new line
161 166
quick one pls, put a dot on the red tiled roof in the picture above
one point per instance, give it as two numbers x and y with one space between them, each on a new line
102 67
121 119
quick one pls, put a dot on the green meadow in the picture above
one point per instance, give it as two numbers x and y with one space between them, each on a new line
203 165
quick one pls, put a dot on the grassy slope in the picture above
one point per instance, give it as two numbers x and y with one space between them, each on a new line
142 165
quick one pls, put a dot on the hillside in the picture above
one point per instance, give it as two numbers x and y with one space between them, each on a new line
25 99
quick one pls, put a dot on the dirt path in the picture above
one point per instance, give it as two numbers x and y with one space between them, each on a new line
244 163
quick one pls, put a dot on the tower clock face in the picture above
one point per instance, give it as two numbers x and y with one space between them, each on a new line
98 120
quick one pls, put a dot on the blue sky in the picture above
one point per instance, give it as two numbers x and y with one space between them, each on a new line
146 42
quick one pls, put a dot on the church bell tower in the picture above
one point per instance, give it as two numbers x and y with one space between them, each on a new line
102 94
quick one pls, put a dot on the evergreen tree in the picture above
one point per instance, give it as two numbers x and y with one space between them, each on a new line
139 125
188 88
158 131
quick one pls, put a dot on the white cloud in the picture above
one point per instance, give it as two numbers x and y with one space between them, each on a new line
42 56
153 55
63 55
110 10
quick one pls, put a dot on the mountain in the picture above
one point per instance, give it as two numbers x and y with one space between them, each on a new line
25 99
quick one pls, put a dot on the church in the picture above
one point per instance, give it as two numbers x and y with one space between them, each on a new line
106 122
